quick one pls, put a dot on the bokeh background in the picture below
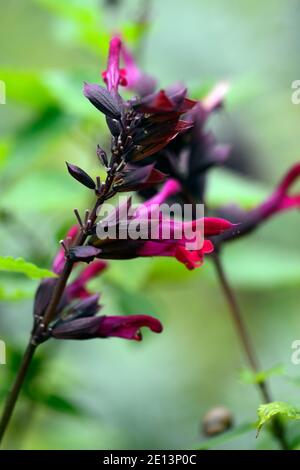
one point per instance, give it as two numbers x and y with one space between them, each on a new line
114 394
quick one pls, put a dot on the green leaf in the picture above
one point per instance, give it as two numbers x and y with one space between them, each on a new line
227 436
267 411
249 377
14 295
19 265
57 403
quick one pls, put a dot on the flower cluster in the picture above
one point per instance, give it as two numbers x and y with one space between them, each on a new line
144 130
76 314
189 158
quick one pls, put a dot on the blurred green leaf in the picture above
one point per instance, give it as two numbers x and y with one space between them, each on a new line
26 87
134 32
265 269
226 187
55 402
86 19
44 192
168 270
33 142
14 294
267 411
19 265
130 275
134 302
227 436
249 377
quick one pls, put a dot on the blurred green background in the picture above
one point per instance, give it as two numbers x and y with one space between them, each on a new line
114 394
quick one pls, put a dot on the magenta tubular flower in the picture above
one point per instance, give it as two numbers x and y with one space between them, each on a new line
167 237
114 76
59 260
191 258
126 327
279 201
140 127
170 188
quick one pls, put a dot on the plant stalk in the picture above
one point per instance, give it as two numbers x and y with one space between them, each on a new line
237 318
48 317
16 388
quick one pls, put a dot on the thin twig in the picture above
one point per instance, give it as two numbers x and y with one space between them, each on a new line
277 426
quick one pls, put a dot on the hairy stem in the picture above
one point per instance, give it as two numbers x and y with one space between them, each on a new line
237 318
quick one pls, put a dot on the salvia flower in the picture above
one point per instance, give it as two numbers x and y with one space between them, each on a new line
140 127
192 154
114 76
279 201
127 327
76 314
158 235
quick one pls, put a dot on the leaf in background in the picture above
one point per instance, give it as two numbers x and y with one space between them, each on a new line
227 436
130 275
133 33
33 142
249 377
226 187
26 87
83 20
14 295
134 302
265 269
55 402
5 145
45 190
66 92
168 270
19 265
267 411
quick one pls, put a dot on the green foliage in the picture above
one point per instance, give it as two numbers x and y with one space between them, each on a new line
227 436
84 22
267 411
265 269
249 377
19 265
14 294
226 187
